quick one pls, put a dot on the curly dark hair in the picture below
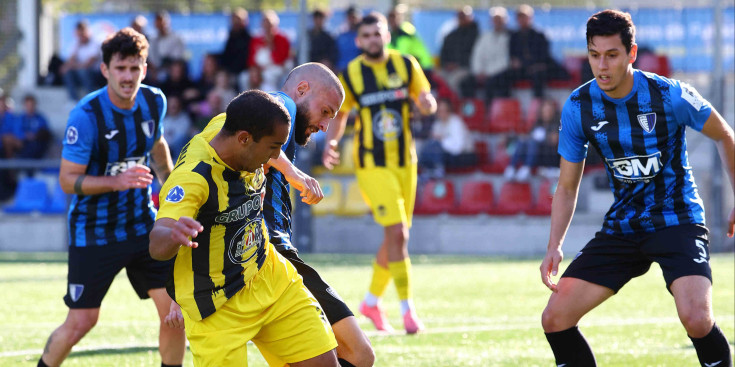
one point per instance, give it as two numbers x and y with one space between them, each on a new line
256 112
126 42
611 22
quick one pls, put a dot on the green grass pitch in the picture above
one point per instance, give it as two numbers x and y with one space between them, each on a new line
479 311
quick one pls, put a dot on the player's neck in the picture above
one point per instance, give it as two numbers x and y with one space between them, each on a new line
219 143
382 58
625 87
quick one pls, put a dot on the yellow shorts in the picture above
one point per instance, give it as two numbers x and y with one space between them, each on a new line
274 310
390 193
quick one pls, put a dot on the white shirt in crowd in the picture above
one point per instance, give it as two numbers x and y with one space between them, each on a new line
453 135
491 53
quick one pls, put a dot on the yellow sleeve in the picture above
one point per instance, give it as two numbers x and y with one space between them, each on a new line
182 195
350 101
419 83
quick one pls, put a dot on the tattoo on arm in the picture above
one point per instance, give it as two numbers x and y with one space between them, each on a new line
78 185
47 348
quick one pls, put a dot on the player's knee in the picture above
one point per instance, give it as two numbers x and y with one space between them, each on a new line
552 320
697 322
364 356
398 234
77 328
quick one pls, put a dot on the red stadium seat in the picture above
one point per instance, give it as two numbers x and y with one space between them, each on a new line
443 90
514 198
544 196
436 197
472 111
658 64
504 116
500 160
476 197
483 154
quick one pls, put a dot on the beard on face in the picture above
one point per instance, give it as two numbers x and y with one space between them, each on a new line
374 55
301 125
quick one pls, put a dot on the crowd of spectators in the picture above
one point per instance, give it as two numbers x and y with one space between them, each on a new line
473 65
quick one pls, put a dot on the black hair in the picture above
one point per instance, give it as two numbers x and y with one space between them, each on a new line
372 18
611 22
256 112
126 42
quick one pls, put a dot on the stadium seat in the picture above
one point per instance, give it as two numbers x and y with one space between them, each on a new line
31 195
530 116
332 201
544 196
475 197
658 64
353 203
443 90
500 160
504 116
482 152
472 111
436 197
514 198
57 202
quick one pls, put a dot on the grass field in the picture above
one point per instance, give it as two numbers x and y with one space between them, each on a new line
479 312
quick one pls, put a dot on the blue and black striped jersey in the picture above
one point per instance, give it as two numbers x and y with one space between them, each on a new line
277 204
108 140
642 139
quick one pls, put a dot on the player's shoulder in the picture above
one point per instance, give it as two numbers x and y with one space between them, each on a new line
148 91
573 102
661 82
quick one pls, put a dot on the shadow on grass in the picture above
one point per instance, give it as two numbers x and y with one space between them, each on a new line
112 350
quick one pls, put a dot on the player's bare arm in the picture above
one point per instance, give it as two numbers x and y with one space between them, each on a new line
168 235
330 156
74 180
426 103
717 129
562 210
311 192
162 163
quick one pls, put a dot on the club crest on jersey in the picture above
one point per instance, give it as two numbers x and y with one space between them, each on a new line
175 195
647 121
72 135
75 291
148 127
387 125
247 237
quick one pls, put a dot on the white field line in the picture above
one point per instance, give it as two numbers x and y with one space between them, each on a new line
498 324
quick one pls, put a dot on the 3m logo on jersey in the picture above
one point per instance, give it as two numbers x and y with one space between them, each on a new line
248 237
116 168
636 168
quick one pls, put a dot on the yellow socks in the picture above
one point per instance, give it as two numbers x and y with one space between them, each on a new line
381 278
401 272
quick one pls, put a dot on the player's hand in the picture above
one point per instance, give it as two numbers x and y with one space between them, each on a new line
174 319
550 267
308 187
731 224
330 156
136 177
184 230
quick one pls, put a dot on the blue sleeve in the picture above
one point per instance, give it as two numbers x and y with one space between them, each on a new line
572 141
79 138
163 106
291 107
690 108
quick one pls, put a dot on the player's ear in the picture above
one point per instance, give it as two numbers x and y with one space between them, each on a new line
633 53
105 71
244 138
302 88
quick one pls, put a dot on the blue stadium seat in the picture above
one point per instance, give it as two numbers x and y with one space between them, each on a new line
31 195
57 202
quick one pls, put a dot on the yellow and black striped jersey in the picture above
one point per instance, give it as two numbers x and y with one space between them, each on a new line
228 204
382 92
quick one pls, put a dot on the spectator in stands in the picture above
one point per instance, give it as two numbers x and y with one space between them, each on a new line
490 55
456 50
7 180
206 110
167 46
26 136
223 86
208 77
177 127
269 54
537 149
530 58
81 68
139 23
178 83
450 144
406 39
346 47
322 46
237 48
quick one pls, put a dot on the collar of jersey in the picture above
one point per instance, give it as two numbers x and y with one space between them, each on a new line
636 78
213 153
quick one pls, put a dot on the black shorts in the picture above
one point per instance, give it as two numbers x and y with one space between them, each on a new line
334 307
611 261
92 269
